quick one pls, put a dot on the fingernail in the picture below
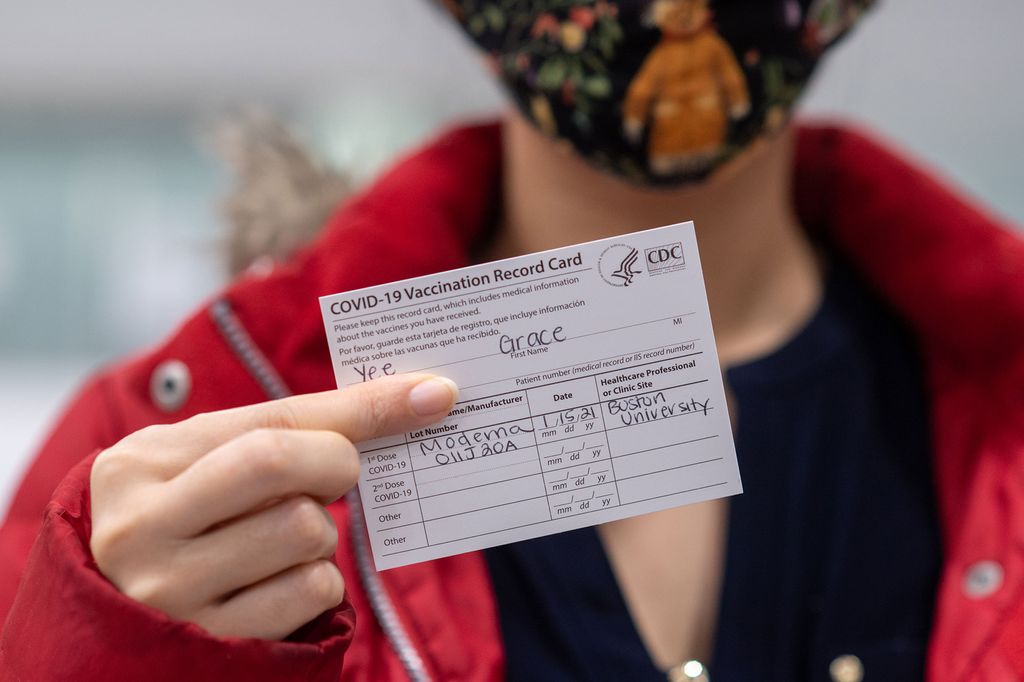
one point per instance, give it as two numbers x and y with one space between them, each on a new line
432 396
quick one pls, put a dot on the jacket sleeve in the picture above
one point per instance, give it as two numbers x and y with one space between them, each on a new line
65 620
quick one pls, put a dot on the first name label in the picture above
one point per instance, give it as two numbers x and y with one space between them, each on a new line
590 391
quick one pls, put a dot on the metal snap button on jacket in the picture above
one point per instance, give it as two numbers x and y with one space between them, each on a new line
170 385
983 579
846 668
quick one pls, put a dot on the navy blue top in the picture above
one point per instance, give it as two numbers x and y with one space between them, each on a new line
832 549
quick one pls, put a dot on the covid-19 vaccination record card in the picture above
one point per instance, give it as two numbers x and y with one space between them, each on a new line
589 391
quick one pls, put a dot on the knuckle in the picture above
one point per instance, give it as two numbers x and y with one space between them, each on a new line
139 454
279 414
267 439
107 465
221 622
144 436
113 464
210 620
265 452
309 527
337 441
372 410
203 422
153 590
348 460
114 538
324 585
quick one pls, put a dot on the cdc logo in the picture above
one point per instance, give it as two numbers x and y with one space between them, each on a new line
665 258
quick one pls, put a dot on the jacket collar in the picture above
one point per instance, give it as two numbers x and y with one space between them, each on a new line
953 272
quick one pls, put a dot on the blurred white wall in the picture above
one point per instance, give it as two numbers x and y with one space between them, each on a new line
108 233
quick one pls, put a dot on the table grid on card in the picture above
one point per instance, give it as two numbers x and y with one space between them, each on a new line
570 458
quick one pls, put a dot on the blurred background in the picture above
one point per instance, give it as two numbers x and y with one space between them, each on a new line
109 231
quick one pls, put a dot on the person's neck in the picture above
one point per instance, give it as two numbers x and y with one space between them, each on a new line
761 273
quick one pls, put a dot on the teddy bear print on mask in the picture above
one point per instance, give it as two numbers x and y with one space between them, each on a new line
689 87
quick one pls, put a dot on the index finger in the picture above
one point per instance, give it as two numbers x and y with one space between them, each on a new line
381 407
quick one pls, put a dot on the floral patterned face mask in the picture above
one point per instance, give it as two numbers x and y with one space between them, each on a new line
660 92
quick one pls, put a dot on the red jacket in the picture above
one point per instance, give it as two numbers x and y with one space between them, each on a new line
954 273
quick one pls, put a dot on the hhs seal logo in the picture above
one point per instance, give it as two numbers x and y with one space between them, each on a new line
618 265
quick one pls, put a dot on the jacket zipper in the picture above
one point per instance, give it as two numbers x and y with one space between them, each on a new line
260 368
379 600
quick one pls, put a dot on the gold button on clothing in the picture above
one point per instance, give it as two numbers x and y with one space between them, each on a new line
846 668
690 671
